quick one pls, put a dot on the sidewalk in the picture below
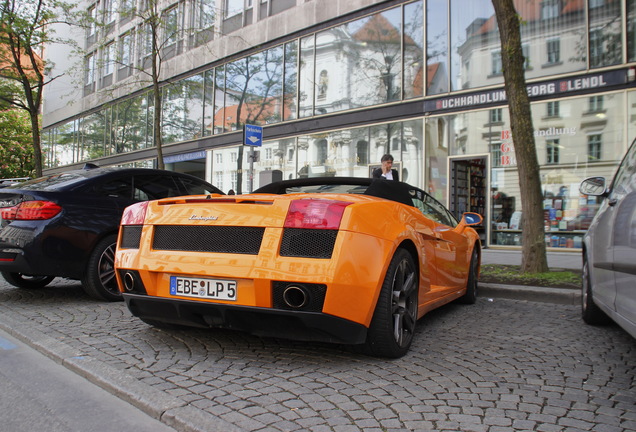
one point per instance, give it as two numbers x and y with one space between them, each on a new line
556 260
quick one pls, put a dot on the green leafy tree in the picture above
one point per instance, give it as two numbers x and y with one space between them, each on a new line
16 152
27 26
534 259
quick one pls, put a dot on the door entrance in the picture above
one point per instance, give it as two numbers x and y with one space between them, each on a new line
469 188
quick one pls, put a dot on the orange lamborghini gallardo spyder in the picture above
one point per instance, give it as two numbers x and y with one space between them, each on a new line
346 260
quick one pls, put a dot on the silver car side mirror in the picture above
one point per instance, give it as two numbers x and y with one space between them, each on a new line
594 186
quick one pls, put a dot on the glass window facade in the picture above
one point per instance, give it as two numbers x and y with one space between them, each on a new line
579 144
402 55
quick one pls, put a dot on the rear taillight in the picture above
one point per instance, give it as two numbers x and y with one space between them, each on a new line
135 214
315 214
31 210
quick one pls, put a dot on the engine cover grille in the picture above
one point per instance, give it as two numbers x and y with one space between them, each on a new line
308 243
220 239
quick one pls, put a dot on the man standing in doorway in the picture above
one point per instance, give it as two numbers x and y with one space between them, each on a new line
386 171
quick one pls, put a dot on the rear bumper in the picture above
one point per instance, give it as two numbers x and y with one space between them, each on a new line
297 325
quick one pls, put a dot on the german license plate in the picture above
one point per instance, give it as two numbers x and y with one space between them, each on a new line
217 289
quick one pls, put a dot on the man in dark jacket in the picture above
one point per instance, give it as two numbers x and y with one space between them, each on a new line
386 171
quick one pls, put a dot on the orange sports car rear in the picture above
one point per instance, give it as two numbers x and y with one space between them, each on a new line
345 260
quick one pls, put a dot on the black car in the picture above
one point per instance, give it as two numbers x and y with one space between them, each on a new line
66 224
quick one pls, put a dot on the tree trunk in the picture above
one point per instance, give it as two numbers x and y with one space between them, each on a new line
534 258
37 144
157 100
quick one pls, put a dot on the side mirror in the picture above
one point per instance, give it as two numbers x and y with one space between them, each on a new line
472 218
594 186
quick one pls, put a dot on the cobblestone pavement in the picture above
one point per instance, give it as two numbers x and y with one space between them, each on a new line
499 365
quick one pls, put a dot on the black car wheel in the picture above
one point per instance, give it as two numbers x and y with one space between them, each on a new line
470 297
393 324
590 312
27 281
99 279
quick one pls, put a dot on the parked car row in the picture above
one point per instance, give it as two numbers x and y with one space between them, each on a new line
341 259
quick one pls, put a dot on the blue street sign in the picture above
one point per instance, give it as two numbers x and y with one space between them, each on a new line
253 135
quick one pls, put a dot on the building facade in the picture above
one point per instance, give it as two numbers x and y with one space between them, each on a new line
338 83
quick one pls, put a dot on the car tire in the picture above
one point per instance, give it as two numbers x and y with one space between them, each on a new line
393 324
27 281
99 279
470 296
590 312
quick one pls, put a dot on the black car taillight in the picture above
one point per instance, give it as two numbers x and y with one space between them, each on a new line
31 210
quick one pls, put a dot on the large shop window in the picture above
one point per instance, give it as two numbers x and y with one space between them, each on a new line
576 144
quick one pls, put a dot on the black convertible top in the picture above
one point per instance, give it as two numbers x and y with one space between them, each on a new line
392 190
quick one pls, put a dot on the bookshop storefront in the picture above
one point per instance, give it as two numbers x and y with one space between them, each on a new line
471 164
466 158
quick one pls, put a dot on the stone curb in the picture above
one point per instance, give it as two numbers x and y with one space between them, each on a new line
567 296
156 403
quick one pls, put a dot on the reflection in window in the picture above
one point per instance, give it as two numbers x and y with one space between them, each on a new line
254 89
221 121
594 148
362 153
495 151
323 84
552 151
554 50
290 84
595 103
496 115
550 9
413 50
92 135
306 80
321 152
605 33
208 107
436 47
131 125
66 143
552 109
182 115
496 63
377 71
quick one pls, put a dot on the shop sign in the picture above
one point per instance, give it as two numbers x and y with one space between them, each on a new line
548 88
507 148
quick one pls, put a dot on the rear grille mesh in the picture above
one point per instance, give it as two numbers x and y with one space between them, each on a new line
130 236
220 239
308 243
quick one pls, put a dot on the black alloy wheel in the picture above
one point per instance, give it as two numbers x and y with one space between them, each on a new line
393 325
99 279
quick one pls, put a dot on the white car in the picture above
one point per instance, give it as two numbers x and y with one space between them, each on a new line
609 249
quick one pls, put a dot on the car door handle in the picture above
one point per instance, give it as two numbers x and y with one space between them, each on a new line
612 202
